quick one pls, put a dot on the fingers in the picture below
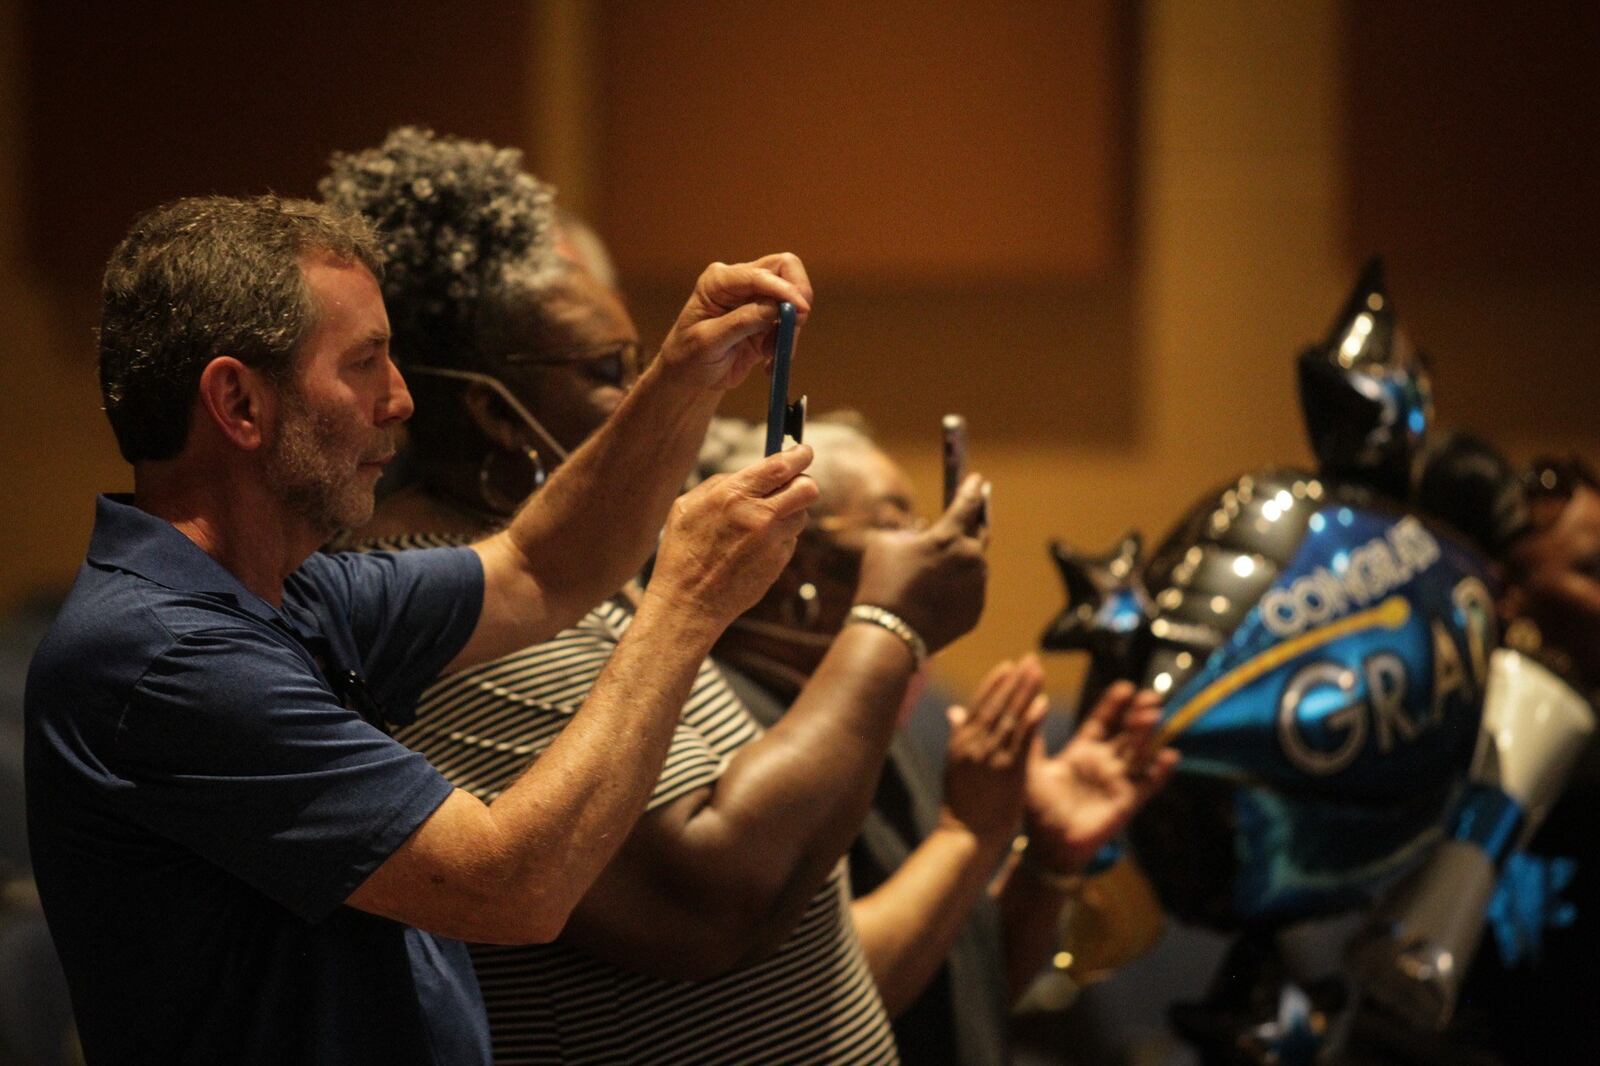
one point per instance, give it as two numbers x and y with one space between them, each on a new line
1105 717
963 517
1157 772
966 742
1139 726
766 476
788 266
740 323
792 501
1027 733
1013 708
992 680
779 482
771 280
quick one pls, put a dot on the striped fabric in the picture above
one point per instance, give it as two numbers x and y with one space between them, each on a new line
813 1001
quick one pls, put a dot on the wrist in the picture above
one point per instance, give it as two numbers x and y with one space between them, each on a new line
990 841
1041 870
682 619
988 827
679 367
883 618
1067 870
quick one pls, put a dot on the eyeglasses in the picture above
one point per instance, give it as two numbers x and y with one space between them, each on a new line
1549 478
888 518
619 363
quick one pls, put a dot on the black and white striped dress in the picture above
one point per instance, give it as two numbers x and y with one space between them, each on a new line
812 1001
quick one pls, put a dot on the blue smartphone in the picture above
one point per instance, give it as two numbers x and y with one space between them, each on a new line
784 417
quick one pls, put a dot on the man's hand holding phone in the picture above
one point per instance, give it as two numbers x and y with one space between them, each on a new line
726 327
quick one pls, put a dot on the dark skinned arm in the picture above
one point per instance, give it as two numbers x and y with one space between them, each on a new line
1076 801
720 877
909 923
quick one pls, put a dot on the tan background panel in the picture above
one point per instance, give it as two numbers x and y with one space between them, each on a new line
1100 230
924 143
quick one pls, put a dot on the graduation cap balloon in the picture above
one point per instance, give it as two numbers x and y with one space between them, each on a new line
1365 393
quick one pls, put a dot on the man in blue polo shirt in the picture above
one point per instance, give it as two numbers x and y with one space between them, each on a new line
237 863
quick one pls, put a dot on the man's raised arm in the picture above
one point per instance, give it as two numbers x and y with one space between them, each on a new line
512 871
591 527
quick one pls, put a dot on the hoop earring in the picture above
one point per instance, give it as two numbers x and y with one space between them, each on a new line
802 609
493 498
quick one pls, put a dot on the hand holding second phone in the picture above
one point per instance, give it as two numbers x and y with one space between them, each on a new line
933 578
728 538
986 757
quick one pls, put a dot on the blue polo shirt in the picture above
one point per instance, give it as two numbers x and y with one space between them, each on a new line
206 787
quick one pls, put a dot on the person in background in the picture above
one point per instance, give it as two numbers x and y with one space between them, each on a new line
1552 604
1542 524
955 922
577 242
236 861
720 931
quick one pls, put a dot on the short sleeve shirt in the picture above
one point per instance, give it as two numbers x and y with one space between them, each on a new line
209 779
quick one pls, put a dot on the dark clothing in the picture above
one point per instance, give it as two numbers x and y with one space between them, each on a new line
960 1018
203 796
1536 1011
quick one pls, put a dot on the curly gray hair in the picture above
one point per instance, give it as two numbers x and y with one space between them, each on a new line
462 226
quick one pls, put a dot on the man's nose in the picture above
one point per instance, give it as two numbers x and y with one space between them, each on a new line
396 405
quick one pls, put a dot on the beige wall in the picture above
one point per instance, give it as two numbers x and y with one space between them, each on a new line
54 445
1107 405
1102 396
102 117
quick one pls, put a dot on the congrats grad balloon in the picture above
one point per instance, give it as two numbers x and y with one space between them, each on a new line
1322 648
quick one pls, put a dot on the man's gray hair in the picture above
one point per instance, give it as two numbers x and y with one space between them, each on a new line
204 277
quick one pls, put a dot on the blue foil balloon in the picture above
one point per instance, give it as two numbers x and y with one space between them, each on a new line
1322 647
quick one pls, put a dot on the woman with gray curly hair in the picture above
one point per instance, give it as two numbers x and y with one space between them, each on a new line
513 351
720 931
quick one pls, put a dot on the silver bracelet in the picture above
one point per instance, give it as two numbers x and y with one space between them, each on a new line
872 614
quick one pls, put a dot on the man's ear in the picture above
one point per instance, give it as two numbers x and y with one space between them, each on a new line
239 401
489 413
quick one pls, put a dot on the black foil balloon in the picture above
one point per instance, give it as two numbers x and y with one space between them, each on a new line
1365 393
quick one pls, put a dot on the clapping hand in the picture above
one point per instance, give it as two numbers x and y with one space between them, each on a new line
986 758
1080 798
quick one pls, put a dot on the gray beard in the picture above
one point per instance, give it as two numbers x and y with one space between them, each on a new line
303 468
